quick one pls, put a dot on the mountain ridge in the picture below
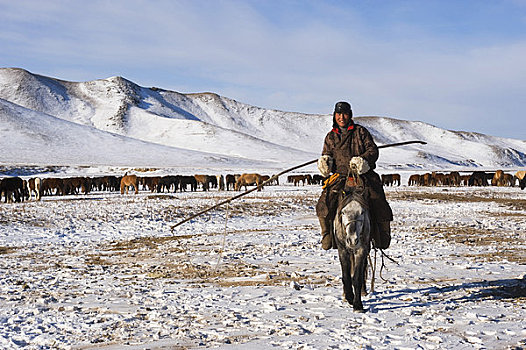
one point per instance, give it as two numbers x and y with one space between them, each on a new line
208 123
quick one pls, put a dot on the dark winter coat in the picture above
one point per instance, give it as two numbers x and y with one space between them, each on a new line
342 146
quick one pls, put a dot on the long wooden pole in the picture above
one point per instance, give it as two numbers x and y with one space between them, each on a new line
272 179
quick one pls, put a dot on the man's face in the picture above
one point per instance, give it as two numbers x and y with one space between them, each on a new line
342 119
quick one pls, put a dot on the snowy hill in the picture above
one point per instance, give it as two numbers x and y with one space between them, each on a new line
102 118
35 138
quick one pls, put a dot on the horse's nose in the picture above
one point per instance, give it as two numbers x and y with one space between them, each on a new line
352 241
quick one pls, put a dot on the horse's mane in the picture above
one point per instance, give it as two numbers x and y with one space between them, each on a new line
355 193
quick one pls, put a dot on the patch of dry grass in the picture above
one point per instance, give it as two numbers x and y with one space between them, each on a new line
512 203
7 250
156 257
501 245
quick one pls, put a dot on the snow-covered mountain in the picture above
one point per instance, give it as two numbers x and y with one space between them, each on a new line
46 121
36 138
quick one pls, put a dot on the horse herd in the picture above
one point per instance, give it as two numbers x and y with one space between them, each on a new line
16 189
305 179
477 178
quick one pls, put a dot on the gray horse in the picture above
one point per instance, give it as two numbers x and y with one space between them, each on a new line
352 230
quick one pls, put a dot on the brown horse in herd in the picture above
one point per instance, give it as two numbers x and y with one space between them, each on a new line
127 181
206 181
247 180
502 179
391 179
13 189
34 186
296 179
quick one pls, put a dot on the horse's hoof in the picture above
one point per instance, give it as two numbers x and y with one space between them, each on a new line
350 302
358 308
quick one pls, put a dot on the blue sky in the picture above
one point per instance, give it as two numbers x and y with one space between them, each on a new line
459 65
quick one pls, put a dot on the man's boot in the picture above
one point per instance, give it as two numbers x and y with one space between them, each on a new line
385 234
326 234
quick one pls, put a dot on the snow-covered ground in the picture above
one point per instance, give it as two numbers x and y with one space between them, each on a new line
103 271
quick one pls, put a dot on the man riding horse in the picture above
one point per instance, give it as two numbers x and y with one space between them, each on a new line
351 145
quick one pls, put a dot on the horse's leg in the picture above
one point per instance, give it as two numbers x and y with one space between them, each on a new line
345 262
358 279
19 195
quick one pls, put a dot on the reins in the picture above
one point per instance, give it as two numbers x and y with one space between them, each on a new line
373 266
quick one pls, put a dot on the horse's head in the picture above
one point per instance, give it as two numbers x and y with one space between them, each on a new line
354 225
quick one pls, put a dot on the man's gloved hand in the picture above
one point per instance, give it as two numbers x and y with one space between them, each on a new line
325 165
359 164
